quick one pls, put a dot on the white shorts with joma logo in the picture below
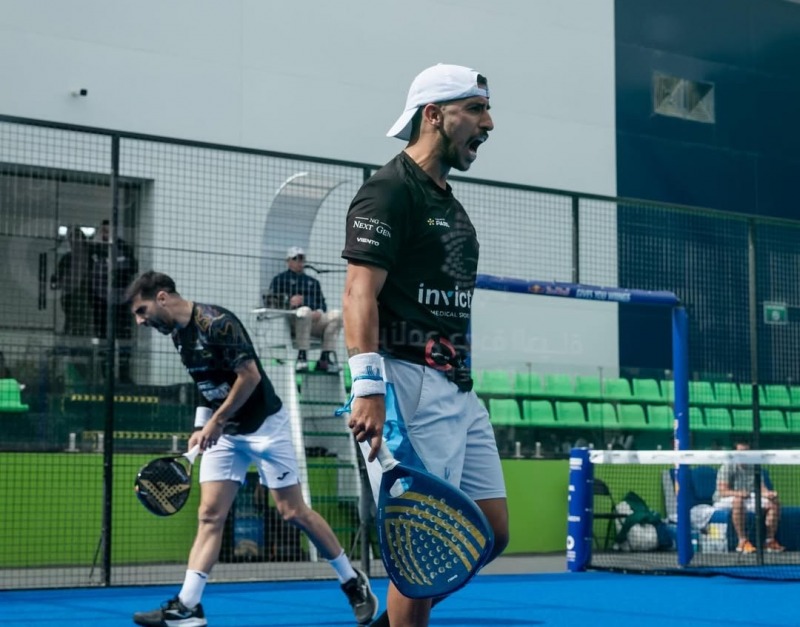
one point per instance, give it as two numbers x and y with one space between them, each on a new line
269 449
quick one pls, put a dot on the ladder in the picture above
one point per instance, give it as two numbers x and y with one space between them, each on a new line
325 450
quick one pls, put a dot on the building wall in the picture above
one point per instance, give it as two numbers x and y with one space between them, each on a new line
750 52
744 162
321 78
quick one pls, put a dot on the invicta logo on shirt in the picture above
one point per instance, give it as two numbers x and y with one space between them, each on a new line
455 303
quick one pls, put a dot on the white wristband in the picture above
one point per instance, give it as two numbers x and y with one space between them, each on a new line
201 416
367 373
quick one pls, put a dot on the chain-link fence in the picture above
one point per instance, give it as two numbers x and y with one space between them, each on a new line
88 397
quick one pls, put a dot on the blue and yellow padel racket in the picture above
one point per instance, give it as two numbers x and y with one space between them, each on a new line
433 537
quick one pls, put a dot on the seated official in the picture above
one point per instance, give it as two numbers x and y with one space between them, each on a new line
294 289
736 486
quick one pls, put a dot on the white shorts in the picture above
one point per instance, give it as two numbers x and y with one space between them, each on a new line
269 449
431 424
726 502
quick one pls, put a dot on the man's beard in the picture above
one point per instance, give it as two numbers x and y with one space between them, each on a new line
450 154
161 326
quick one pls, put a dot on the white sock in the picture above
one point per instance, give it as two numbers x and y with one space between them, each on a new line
343 567
193 585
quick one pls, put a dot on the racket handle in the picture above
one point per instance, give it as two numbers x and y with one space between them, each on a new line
385 457
192 453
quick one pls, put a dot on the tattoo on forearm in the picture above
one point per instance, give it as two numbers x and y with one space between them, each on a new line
353 350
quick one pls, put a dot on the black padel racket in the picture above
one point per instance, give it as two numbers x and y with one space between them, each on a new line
163 484
433 537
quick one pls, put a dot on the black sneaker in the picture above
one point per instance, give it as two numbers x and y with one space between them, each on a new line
362 600
172 613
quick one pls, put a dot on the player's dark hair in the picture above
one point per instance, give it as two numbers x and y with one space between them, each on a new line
148 285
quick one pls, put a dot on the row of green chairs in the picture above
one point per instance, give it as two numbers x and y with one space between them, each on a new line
631 416
723 393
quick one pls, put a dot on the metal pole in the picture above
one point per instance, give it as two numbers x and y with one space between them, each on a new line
752 280
576 239
108 450
680 376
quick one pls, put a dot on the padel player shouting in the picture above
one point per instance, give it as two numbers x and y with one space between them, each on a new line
412 261
245 424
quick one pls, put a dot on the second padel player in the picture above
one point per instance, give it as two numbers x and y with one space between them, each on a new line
245 424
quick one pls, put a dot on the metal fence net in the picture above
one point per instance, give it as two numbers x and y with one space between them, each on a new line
88 397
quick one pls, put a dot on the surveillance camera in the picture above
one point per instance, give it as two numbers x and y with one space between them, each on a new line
80 92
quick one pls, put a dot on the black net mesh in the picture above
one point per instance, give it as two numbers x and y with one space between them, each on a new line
87 398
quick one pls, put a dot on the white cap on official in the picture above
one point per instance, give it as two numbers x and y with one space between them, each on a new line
439 83
294 251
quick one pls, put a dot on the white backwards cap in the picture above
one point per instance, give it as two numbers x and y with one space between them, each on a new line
439 83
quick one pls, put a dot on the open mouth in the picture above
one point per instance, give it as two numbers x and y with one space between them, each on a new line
476 143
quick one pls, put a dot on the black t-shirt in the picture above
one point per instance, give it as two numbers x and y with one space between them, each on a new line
400 220
289 283
212 346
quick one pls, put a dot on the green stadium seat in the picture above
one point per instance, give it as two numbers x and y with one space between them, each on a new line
538 413
727 393
660 417
696 418
701 392
775 396
527 383
493 382
646 390
570 414
718 419
793 421
668 389
746 393
602 415
772 421
504 411
631 416
588 387
558 385
618 389
10 397
742 420
794 393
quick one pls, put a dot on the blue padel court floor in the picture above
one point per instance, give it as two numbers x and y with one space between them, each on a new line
554 600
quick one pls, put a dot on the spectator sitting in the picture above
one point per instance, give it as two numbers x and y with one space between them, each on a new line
304 294
736 485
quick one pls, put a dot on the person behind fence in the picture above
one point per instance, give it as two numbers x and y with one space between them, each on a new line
126 269
244 422
412 256
736 486
72 280
303 293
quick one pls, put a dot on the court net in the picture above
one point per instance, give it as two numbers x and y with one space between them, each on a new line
659 512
